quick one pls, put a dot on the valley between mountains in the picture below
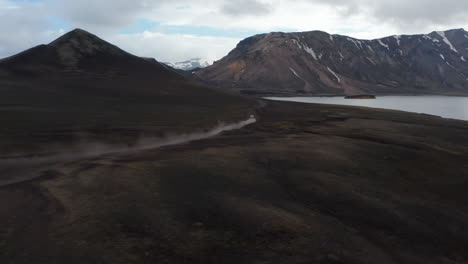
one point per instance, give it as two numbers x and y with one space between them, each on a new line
305 183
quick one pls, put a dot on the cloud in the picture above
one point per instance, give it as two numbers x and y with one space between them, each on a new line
422 14
185 29
175 47
22 26
101 15
403 14
246 7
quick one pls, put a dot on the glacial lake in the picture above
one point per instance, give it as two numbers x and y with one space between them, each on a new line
445 106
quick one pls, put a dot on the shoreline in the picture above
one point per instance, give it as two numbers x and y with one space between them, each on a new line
439 107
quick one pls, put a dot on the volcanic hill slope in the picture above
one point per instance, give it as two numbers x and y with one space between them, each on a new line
319 63
81 88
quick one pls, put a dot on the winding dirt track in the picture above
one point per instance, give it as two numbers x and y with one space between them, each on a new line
15 170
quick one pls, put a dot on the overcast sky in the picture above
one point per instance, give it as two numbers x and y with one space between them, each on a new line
175 30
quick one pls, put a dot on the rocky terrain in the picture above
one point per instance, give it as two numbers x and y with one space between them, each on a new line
317 63
305 183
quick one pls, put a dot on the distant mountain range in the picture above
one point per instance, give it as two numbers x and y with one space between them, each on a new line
318 63
304 63
189 64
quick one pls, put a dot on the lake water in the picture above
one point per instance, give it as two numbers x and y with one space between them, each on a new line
444 106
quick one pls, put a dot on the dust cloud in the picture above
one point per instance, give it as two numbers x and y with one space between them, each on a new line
96 149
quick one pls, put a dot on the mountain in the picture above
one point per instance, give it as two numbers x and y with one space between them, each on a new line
189 64
80 53
81 87
319 63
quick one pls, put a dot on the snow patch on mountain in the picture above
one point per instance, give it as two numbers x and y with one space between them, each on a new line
371 61
295 73
306 48
356 43
189 64
383 44
334 74
398 39
446 40
310 51
297 43
341 55
430 38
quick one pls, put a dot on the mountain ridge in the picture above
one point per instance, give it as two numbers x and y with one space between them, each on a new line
316 62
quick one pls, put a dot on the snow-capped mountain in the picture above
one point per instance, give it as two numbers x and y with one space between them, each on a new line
189 64
319 63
